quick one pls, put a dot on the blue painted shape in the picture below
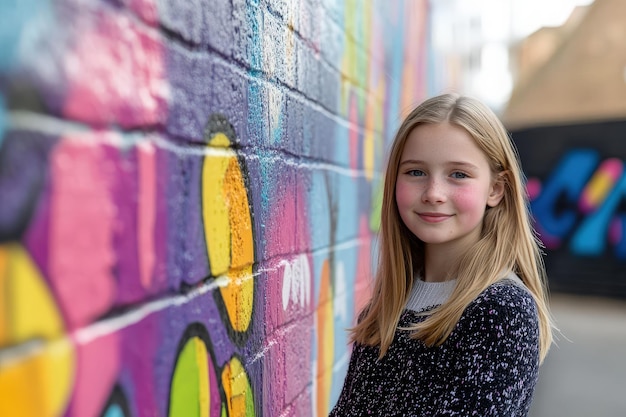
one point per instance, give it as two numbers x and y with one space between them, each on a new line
114 411
15 15
568 179
591 237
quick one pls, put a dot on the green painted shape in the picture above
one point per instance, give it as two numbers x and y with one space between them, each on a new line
184 392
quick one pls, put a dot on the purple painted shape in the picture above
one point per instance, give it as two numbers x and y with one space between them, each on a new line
35 238
231 100
23 173
191 80
137 377
161 231
194 260
124 190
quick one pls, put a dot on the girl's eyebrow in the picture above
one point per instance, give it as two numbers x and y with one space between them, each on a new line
467 165
411 161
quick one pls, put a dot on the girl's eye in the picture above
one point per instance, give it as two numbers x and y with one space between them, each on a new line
459 175
415 173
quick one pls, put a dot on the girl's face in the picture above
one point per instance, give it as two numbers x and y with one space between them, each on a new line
444 186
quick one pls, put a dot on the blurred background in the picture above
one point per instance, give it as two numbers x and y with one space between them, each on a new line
555 71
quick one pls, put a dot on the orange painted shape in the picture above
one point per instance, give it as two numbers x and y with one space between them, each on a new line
325 342
236 196
239 396
38 384
237 296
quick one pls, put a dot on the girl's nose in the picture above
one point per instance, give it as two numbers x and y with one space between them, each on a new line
434 192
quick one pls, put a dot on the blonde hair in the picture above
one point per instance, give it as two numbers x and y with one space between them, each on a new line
507 242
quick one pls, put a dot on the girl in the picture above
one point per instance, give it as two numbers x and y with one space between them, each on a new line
458 321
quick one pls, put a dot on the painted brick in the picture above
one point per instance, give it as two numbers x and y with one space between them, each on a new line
189 197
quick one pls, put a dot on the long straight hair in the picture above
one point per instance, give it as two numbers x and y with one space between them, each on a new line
507 243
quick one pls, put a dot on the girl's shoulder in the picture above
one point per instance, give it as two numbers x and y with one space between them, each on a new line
509 287
507 299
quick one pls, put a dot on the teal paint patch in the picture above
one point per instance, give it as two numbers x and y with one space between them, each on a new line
114 411
16 18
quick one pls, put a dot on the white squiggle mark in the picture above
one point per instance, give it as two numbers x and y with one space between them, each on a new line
296 282
340 301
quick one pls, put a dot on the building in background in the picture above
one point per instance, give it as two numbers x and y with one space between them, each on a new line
572 73
474 43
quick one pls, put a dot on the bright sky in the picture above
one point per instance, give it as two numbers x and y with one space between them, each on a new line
530 15
503 21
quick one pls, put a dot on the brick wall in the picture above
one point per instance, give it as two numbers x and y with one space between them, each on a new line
188 198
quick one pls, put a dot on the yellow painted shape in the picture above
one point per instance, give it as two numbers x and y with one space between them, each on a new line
215 213
368 139
202 362
325 342
4 296
228 232
599 186
220 140
33 312
239 398
38 384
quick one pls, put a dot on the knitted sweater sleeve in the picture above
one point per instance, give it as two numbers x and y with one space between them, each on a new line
497 340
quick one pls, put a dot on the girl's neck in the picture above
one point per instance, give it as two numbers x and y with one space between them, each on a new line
438 264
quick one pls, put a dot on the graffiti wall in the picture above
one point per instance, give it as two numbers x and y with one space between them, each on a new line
188 194
577 185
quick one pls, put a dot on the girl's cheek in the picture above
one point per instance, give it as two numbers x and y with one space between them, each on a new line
470 199
404 194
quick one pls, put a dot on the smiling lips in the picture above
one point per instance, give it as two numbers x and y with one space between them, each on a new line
434 217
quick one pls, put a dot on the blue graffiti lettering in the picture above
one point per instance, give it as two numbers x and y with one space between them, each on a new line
568 181
558 215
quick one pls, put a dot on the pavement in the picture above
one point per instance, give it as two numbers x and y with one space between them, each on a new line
584 374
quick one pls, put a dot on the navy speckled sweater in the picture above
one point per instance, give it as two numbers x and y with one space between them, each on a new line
487 367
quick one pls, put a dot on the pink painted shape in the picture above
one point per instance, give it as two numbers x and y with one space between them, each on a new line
297 351
116 73
82 219
533 188
615 231
610 169
147 10
146 220
280 230
613 167
363 279
97 368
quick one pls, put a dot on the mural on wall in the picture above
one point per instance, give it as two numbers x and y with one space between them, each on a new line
189 197
577 186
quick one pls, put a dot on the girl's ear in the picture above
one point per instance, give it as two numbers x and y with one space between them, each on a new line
497 190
